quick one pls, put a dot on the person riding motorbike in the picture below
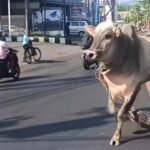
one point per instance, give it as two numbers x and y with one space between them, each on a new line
86 44
7 58
87 41
3 50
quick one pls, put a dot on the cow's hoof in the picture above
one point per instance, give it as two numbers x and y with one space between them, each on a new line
114 142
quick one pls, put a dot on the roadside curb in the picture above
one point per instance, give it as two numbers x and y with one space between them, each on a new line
57 40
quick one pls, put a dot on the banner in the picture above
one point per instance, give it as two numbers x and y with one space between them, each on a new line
47 19
77 12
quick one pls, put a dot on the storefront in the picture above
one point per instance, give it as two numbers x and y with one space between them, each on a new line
51 17
45 17
48 21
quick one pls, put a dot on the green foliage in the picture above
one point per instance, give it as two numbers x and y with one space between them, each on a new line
140 13
124 7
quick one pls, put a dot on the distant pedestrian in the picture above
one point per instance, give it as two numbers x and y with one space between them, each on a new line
67 30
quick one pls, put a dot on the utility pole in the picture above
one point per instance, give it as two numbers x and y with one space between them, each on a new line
27 15
114 10
0 16
64 16
9 19
88 3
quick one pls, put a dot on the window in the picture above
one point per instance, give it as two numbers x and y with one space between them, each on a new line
82 23
74 24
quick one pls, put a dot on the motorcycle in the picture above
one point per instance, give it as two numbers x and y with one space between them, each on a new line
86 43
6 69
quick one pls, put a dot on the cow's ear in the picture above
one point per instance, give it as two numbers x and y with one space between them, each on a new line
91 30
118 32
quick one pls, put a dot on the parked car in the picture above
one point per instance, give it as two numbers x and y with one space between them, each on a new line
77 27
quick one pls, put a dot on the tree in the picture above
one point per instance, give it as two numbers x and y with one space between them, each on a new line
140 12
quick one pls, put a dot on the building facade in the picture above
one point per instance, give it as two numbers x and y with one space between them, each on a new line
43 16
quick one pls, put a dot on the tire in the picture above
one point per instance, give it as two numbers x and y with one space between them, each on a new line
17 74
37 54
86 64
81 33
28 57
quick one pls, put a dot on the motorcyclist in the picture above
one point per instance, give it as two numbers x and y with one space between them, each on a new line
6 57
88 37
86 44
87 41
3 50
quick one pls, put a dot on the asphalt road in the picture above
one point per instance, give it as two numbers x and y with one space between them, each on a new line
57 105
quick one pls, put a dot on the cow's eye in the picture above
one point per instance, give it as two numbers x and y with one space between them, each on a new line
108 36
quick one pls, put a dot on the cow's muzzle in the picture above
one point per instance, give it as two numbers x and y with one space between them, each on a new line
90 54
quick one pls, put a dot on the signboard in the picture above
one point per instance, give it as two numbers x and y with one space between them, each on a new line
47 19
77 12
66 2
53 15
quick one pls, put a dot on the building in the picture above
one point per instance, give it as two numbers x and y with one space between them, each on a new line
17 10
43 16
18 6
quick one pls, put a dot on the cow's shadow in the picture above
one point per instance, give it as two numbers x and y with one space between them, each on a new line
135 138
48 61
141 132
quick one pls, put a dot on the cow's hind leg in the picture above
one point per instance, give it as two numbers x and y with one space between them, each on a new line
121 116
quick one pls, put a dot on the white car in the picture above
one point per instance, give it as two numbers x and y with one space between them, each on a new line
77 27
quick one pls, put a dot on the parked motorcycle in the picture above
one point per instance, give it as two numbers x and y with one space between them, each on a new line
6 70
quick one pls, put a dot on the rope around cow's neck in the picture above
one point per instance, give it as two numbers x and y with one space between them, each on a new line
99 73
102 69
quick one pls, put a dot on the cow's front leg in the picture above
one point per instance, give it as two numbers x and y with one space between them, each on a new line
115 140
122 116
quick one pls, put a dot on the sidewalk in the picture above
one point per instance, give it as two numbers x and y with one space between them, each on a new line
50 51
60 40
